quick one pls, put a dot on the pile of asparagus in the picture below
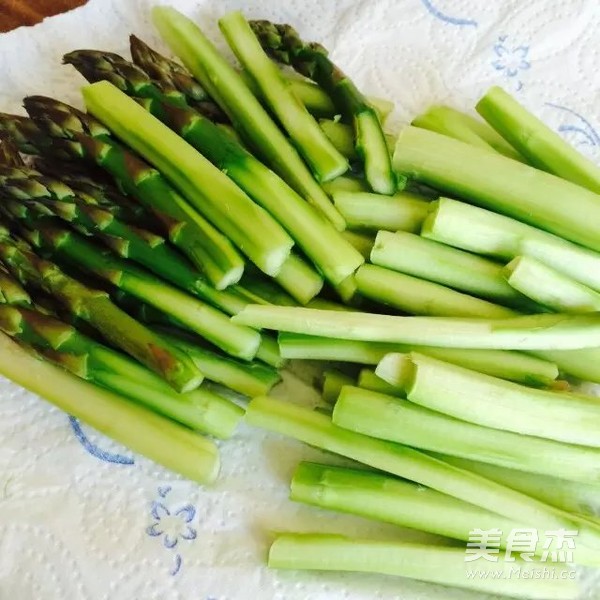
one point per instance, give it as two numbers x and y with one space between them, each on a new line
152 247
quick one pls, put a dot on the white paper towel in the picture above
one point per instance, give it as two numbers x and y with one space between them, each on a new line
81 518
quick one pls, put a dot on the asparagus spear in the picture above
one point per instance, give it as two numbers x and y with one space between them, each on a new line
63 345
431 563
514 366
493 402
9 154
420 297
311 59
332 255
77 135
550 288
126 422
369 380
395 419
325 161
333 382
463 127
12 292
174 77
414 255
362 210
531 332
206 187
541 146
96 308
201 318
533 196
139 245
246 113
317 430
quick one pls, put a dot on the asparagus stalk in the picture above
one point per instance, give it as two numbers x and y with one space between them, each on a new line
207 188
501 404
396 370
541 146
383 498
247 114
574 497
533 196
342 137
463 127
430 260
325 161
394 419
417 296
550 288
483 232
172 75
139 245
345 183
63 345
96 308
333 382
531 332
9 154
250 379
317 430
514 366
199 317
434 564
403 211
155 437
12 292
369 380
79 136
318 239
311 59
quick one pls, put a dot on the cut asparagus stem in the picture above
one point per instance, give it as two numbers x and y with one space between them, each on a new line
530 332
484 232
82 137
342 137
299 279
333 382
207 188
417 296
245 111
325 161
514 366
434 564
155 437
270 353
317 237
284 44
396 370
575 497
368 380
201 318
493 402
453 123
383 498
550 288
96 308
317 430
345 184
250 379
427 259
541 146
347 291
362 210
397 420
533 196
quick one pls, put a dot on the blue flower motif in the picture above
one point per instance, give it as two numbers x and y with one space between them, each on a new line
510 61
171 525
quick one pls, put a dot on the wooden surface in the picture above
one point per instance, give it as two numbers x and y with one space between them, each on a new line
14 13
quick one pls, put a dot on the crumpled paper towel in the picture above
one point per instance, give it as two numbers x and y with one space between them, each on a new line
81 518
